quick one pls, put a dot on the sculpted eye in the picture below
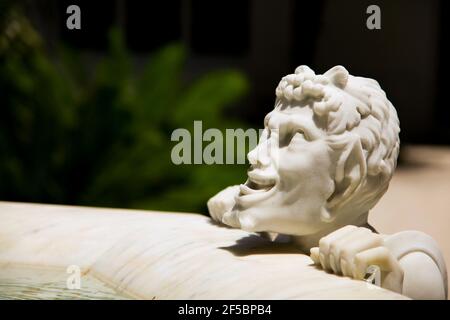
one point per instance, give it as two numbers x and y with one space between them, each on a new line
299 135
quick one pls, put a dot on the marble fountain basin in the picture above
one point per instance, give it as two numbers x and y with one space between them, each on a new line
131 254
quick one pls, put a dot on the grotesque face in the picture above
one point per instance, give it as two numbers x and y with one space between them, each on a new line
286 196
328 150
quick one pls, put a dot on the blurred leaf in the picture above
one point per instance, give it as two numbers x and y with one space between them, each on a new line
75 132
206 98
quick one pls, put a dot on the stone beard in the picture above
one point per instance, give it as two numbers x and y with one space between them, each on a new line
326 156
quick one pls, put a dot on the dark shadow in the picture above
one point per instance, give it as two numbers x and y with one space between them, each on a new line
254 244
319 267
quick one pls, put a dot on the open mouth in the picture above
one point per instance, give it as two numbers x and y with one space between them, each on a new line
252 187
256 188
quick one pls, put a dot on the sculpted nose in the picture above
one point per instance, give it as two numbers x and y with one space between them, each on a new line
251 156
259 156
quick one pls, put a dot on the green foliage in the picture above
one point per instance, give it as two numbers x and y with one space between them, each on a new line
101 135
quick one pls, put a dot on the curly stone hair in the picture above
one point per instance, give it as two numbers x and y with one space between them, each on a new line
360 121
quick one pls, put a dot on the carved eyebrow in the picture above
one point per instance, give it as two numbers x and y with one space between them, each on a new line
281 121
300 126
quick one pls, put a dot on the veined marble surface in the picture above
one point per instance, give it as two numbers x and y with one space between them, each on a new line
156 255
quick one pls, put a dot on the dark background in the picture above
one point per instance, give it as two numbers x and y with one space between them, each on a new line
260 40
268 39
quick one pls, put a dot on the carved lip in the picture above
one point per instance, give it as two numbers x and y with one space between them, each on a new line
258 180
258 187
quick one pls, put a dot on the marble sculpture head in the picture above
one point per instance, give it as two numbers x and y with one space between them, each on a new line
327 153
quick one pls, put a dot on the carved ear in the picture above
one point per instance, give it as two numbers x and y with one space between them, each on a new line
350 170
338 75
305 70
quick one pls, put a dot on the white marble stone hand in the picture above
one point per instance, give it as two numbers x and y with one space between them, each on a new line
222 202
351 250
